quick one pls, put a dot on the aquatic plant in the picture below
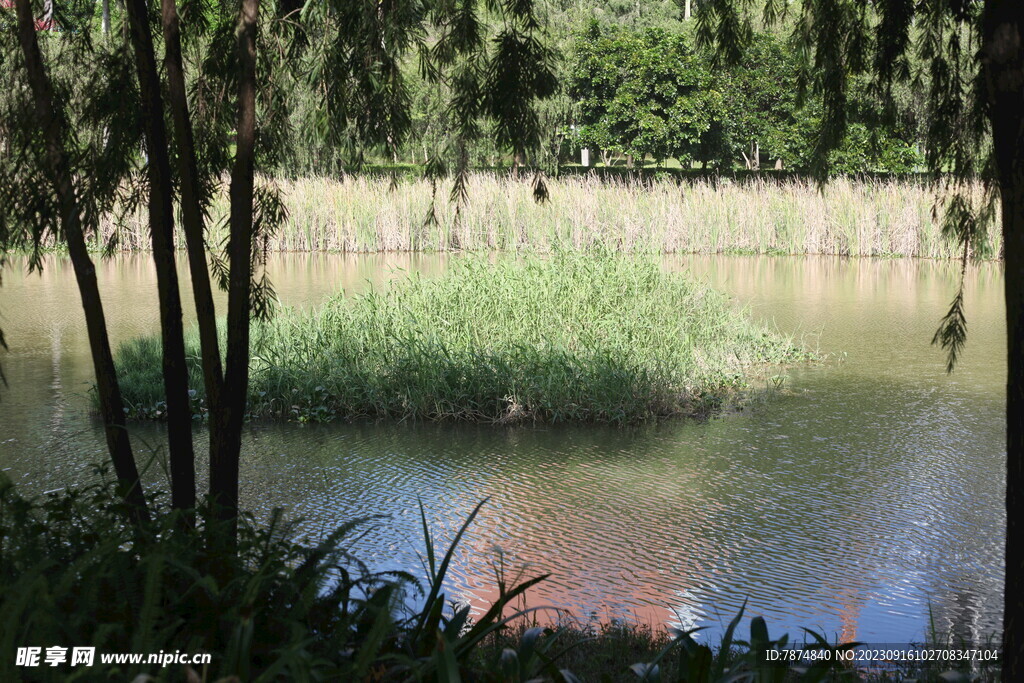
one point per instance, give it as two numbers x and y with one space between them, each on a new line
867 217
573 337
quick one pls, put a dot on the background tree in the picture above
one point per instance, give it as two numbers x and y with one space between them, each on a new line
969 54
650 93
766 116
644 94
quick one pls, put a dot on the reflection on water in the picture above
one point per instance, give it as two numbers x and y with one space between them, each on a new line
867 491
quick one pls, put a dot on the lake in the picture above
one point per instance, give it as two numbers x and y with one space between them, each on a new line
862 495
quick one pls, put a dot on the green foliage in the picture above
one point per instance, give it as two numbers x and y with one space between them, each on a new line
652 94
103 135
73 573
765 106
714 116
645 94
574 337
452 75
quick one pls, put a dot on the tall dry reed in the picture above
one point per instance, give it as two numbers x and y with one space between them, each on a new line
847 217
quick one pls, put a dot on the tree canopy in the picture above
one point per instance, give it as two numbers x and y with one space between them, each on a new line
654 93
644 94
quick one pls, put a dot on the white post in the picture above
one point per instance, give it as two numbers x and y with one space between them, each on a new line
585 157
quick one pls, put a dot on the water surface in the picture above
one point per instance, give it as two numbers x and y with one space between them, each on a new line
864 493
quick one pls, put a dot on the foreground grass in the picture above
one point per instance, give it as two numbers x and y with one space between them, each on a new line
622 651
73 574
574 337
870 217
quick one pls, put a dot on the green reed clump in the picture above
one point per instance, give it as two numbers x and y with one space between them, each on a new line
578 336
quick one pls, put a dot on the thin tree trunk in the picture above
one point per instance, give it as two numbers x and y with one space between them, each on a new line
1002 58
1013 245
161 223
106 17
192 219
225 459
107 387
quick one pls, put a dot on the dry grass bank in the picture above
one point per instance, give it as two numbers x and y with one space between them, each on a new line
848 217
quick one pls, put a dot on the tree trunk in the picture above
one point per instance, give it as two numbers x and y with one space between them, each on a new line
161 224
106 17
518 161
1002 56
1013 240
686 11
192 218
225 457
107 387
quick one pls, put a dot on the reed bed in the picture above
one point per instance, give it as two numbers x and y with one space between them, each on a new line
572 337
847 217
